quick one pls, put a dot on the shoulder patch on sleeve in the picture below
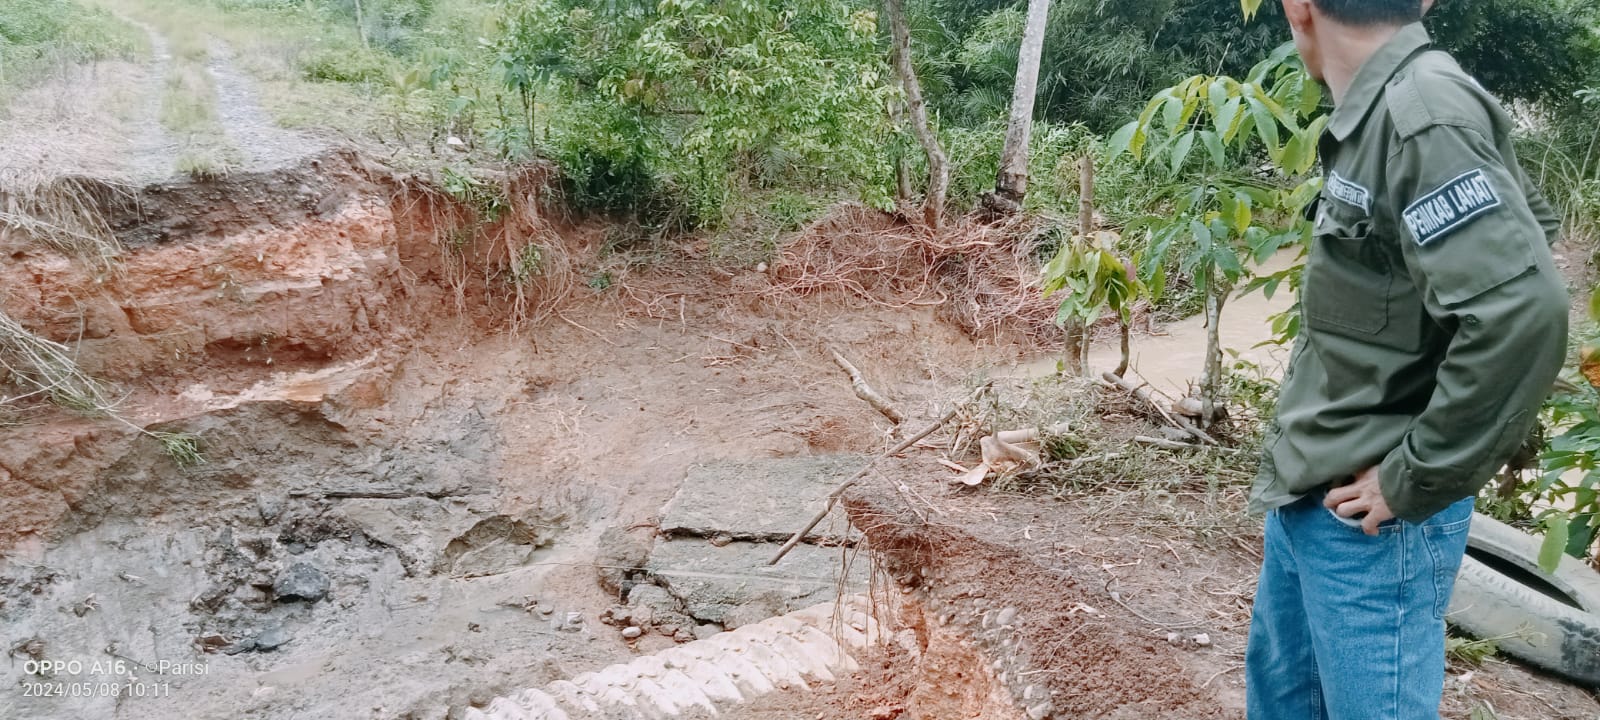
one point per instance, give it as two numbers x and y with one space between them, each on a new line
1451 206
1349 193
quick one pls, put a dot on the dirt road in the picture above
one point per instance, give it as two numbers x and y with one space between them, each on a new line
109 120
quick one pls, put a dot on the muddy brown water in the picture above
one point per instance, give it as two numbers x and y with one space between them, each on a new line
1171 358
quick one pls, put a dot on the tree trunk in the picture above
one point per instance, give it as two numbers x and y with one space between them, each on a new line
938 164
1127 331
902 172
1211 378
902 180
1085 194
1072 355
1085 342
529 104
1078 341
1012 184
361 25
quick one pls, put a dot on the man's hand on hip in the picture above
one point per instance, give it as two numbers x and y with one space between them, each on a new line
1362 496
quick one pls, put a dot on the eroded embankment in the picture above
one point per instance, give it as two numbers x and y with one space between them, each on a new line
1037 634
403 491
286 286
343 523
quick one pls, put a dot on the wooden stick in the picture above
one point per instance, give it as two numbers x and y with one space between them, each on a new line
865 391
1143 393
1199 434
833 496
1162 442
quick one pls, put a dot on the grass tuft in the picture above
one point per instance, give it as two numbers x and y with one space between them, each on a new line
43 367
62 214
184 448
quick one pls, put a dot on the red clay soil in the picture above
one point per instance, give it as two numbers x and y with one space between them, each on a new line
1093 668
1181 559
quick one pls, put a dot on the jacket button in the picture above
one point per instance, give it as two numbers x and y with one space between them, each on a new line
1470 319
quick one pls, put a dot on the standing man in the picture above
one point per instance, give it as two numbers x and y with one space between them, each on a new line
1434 325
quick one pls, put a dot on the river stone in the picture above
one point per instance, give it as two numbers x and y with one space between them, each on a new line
301 581
710 581
759 500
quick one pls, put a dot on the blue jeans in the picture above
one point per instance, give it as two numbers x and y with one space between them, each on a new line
1347 626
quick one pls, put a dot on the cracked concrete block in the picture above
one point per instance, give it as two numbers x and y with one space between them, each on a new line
711 580
763 500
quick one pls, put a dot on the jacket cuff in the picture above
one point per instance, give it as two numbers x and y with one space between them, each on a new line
1415 496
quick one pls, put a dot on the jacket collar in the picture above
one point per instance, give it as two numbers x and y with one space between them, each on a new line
1373 75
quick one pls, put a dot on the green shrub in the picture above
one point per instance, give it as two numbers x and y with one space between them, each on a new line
347 65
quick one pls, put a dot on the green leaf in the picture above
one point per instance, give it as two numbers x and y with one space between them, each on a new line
1282 53
1227 260
1227 120
1594 304
1266 129
1310 95
1180 152
1239 215
1172 113
1217 96
1122 140
1304 193
1296 154
1202 235
1155 104
1157 284
1213 145
1556 526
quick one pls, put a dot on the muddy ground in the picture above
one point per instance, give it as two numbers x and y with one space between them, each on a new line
416 475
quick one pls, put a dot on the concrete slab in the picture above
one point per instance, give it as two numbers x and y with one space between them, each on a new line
712 581
764 500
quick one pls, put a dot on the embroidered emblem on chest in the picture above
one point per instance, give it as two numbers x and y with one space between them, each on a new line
1440 212
1350 193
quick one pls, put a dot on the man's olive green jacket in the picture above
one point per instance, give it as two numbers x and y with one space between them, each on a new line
1434 320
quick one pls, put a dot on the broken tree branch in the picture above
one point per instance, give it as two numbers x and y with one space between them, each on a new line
1143 393
865 391
1162 443
833 496
1175 445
